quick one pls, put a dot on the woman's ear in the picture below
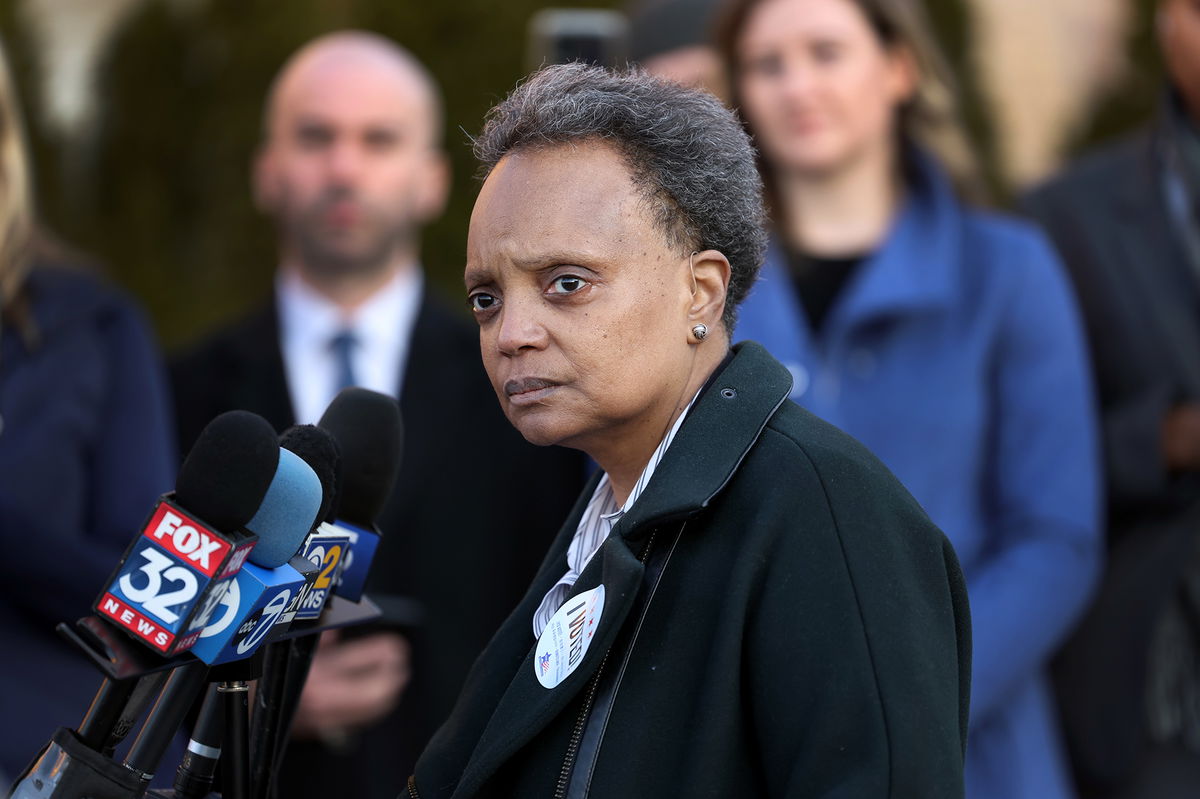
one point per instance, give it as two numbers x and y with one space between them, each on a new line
710 284
904 74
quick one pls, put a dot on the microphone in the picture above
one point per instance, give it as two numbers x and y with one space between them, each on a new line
194 777
367 428
256 596
324 547
164 588
364 427
174 573
262 590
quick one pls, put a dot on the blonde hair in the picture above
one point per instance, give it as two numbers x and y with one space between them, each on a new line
16 192
930 119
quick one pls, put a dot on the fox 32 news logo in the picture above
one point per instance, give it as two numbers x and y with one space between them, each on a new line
170 578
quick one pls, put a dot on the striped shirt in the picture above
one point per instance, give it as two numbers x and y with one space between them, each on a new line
597 522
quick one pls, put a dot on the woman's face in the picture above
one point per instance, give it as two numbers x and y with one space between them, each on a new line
818 87
582 304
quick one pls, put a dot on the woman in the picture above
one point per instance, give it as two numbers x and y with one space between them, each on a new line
743 602
941 337
84 451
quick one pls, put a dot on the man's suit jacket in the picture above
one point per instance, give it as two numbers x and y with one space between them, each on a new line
473 513
1140 298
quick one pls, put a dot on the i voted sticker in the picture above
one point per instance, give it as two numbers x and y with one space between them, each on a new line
567 637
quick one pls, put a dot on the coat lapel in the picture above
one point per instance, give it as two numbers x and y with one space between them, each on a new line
916 268
261 383
527 707
1148 246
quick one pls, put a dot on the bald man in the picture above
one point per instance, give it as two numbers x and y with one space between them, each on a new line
349 170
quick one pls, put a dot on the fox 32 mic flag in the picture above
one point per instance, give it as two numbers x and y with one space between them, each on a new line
171 578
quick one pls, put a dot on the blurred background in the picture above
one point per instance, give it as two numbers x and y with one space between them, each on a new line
143 116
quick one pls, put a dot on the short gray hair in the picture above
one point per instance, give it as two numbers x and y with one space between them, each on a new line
685 150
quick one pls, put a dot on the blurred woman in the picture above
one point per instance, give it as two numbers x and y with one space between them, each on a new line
943 338
84 450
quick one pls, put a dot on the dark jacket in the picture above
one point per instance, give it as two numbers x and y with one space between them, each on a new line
1108 217
460 536
807 636
85 449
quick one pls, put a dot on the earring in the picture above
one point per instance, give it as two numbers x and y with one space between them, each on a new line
700 331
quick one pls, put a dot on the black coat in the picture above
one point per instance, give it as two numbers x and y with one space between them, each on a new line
1109 219
807 634
460 534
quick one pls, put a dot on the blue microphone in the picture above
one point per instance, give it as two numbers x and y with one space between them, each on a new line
262 590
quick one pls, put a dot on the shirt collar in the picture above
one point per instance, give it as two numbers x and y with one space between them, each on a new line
382 327
306 314
604 488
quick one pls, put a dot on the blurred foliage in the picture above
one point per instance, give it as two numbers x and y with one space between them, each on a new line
951 26
1137 98
159 190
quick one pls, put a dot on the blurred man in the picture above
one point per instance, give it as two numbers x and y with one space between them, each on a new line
1127 222
350 169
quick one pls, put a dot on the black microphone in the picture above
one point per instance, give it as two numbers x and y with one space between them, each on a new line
366 430
223 480
194 778
324 547
369 434
318 449
172 575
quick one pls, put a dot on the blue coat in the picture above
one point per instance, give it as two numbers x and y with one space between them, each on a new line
956 354
85 449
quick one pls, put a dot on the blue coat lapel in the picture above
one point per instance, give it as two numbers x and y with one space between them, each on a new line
912 272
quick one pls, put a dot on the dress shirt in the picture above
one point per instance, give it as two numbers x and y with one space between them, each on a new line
309 321
594 527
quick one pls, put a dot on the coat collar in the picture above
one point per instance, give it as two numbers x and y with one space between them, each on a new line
723 425
1130 195
1145 239
917 267
720 430
914 271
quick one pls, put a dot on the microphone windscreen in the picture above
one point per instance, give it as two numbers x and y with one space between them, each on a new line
366 426
226 474
287 513
317 448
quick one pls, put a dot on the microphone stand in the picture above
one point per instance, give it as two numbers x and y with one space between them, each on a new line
280 691
79 765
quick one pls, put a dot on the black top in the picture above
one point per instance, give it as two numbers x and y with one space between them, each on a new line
818 281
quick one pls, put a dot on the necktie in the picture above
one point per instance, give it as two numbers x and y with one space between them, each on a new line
342 346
